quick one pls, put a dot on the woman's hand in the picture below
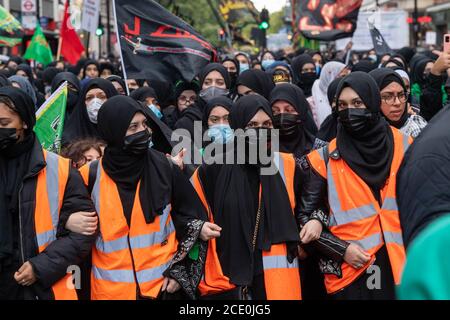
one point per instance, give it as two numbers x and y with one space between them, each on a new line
178 159
209 231
84 223
25 275
356 256
170 285
311 231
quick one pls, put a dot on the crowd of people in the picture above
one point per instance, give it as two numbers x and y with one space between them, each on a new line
361 173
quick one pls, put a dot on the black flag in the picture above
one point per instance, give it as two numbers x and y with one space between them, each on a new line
326 20
379 44
156 44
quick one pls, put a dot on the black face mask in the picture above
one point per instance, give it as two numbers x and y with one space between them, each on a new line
8 137
356 121
233 76
307 79
288 124
137 143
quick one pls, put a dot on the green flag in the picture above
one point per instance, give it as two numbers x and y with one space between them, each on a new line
11 31
50 120
39 50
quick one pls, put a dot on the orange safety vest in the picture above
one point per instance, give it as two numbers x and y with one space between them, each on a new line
127 260
355 214
281 278
51 184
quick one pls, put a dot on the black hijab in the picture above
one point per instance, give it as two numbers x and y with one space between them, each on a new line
257 80
215 67
27 69
126 170
418 64
72 97
4 82
79 125
297 65
407 53
163 90
232 192
49 74
223 101
119 80
328 128
384 77
364 66
423 180
370 154
234 77
87 64
14 162
302 143
143 93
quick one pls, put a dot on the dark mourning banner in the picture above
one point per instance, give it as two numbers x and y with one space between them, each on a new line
157 45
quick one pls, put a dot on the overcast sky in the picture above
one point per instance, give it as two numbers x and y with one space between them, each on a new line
271 5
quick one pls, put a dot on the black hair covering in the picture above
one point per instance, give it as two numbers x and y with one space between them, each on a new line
407 53
119 80
223 101
257 80
79 125
384 77
304 141
328 128
235 61
151 168
14 163
364 65
298 63
49 74
87 64
370 154
4 82
418 64
423 180
106 66
72 97
163 90
27 69
215 67
232 192
143 93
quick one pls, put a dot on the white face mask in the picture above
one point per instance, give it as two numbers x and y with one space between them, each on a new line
92 109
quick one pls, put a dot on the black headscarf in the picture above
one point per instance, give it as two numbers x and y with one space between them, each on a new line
384 77
423 180
235 76
418 64
14 162
302 143
215 67
364 66
163 90
143 93
232 192
79 126
215 102
126 170
370 154
4 82
297 65
328 128
407 53
27 69
49 74
257 80
119 80
87 64
72 98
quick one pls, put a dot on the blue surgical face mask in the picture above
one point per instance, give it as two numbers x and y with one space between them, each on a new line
220 133
318 69
155 111
267 63
243 67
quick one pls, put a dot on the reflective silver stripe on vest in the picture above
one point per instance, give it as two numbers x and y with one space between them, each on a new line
339 216
111 246
278 262
96 189
393 237
152 273
52 181
369 242
405 143
390 204
279 163
126 276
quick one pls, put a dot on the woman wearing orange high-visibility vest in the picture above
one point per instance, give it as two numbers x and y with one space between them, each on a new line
39 191
355 178
256 253
149 215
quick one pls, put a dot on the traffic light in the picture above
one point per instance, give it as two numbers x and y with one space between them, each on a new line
264 19
100 30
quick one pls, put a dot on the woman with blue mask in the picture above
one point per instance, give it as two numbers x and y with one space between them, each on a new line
215 120
148 96
244 62
267 59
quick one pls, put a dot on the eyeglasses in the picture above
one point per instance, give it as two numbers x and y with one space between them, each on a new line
184 100
390 98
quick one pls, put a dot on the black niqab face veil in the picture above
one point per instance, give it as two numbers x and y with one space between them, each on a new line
151 168
370 154
232 192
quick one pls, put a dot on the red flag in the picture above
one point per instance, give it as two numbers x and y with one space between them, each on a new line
71 47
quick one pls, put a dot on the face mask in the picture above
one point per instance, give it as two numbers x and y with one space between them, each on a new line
267 63
373 57
156 111
72 99
48 90
356 121
8 137
308 78
243 67
212 92
92 109
138 143
288 124
318 69
220 133
233 77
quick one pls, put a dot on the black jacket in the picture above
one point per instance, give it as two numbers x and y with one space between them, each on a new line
69 248
431 100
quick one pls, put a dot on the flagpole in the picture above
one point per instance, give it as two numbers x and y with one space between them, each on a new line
120 48
58 54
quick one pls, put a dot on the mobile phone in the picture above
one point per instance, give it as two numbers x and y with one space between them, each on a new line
447 42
